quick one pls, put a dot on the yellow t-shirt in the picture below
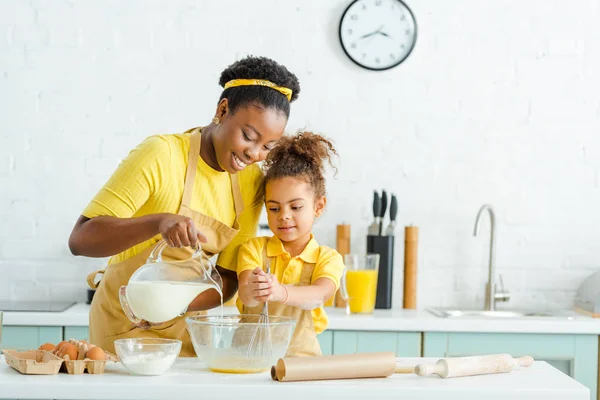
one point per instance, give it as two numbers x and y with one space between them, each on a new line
328 264
151 178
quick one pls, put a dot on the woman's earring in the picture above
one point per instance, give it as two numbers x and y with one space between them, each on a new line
216 120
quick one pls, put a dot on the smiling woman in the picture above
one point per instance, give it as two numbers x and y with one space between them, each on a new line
198 186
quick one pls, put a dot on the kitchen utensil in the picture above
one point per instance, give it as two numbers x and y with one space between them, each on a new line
359 282
260 342
383 210
147 356
374 227
161 289
384 364
393 212
343 247
411 242
476 365
236 331
347 366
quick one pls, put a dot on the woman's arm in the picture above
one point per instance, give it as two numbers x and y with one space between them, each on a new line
105 236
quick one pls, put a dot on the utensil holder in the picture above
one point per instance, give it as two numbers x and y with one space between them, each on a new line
384 246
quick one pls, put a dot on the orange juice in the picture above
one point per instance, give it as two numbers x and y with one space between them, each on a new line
362 288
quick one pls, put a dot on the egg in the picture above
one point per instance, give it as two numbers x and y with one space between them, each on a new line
69 349
58 347
47 347
96 353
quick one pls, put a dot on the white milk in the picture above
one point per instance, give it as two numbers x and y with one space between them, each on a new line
159 301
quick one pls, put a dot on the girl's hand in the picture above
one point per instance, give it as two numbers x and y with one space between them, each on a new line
266 287
179 231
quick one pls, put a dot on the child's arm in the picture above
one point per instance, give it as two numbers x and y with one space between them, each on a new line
263 287
247 286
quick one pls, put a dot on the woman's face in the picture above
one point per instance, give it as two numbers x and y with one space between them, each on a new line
247 136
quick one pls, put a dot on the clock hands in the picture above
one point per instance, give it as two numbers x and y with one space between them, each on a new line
372 33
376 32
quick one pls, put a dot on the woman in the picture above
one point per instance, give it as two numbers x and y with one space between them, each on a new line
201 185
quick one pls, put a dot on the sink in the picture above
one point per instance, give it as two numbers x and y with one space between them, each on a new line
457 313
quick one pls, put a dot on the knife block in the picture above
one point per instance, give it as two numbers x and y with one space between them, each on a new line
384 246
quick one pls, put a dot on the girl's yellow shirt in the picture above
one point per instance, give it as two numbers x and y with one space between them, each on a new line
151 178
328 264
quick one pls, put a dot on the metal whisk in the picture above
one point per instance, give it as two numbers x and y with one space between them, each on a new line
260 345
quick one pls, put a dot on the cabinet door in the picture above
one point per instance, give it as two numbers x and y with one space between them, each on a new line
29 337
76 332
403 344
575 355
326 342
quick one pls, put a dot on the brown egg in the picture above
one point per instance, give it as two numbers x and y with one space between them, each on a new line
69 349
96 353
58 347
47 347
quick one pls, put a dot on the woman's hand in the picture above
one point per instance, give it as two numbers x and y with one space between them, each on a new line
266 287
179 231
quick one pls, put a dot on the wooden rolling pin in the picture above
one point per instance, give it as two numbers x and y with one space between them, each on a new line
476 365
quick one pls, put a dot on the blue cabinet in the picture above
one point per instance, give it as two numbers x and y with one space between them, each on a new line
76 332
575 355
403 344
29 337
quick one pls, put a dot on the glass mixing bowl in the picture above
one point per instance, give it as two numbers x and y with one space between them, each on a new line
146 356
240 344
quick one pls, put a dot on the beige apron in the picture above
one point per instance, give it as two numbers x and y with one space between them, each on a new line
304 340
107 319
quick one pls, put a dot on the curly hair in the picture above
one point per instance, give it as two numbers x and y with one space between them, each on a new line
259 68
301 156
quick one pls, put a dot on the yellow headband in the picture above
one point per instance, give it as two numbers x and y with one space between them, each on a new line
249 82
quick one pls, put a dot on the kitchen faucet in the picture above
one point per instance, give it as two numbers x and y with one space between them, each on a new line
491 296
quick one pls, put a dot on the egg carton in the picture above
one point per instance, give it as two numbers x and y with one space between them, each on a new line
83 364
33 362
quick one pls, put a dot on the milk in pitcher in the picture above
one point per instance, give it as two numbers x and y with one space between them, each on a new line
160 301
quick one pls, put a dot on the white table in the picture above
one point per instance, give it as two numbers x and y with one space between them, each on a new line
189 379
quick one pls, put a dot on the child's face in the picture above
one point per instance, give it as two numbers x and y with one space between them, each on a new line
292 208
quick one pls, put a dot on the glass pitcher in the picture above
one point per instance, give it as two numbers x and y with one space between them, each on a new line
161 290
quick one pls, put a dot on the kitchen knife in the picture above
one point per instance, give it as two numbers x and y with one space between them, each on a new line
383 210
374 227
393 212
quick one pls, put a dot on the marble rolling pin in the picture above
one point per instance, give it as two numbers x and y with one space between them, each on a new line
476 365
348 366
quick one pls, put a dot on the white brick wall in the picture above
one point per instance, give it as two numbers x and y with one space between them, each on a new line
498 103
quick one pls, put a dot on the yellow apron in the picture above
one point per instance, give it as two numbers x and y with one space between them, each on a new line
304 341
107 319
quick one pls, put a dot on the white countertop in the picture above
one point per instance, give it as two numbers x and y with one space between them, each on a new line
189 379
398 320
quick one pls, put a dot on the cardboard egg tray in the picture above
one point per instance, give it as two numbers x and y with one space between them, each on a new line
33 362
41 362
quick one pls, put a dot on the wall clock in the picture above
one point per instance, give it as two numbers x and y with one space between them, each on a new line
378 34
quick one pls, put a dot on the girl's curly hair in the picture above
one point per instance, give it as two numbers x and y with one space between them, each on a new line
300 156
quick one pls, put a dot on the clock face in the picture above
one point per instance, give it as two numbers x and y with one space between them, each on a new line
378 34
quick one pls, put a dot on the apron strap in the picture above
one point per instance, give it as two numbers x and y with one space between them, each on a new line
91 279
266 260
190 174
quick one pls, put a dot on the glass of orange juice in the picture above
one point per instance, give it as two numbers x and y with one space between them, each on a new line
360 282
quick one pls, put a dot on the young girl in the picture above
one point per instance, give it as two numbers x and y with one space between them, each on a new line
303 274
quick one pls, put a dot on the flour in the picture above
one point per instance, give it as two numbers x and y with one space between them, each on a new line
150 363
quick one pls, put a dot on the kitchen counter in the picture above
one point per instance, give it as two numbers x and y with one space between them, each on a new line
189 379
397 320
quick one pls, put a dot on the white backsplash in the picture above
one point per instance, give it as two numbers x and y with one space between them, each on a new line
480 112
